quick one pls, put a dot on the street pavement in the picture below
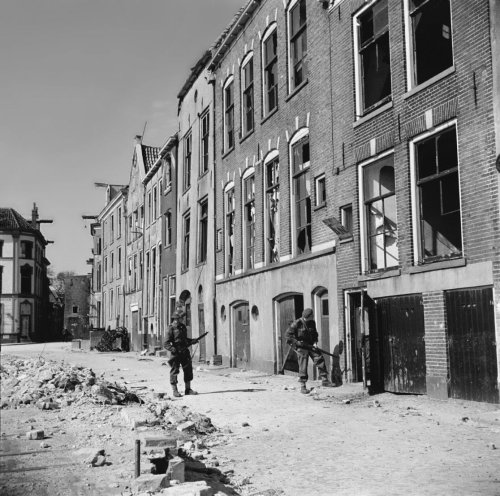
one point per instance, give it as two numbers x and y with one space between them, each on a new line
334 441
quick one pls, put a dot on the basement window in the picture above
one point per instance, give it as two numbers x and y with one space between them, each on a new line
430 38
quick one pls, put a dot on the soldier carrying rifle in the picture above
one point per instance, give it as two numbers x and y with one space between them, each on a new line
302 336
178 343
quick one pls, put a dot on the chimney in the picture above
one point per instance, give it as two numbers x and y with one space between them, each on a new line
34 216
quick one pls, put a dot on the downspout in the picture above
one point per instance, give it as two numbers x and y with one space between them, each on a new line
124 263
214 169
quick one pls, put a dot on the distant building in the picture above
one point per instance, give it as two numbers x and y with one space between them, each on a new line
24 287
77 305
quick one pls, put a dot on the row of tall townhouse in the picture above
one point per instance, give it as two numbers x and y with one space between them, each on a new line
339 155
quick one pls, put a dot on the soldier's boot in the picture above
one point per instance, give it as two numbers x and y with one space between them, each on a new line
303 389
176 391
188 389
326 383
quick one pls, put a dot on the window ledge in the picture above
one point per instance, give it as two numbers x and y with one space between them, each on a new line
296 90
379 275
167 190
438 265
366 117
203 174
319 207
269 115
201 264
225 154
247 135
429 82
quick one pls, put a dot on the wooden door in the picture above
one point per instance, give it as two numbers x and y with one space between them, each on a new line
401 329
241 335
472 345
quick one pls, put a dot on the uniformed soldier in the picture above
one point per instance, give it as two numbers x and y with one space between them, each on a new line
178 343
302 336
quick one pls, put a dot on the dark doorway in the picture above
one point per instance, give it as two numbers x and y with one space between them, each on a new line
355 336
290 308
324 325
472 344
241 334
401 328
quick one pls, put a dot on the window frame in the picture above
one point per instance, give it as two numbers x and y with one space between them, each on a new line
272 193
291 39
320 202
268 66
419 258
187 145
228 110
204 141
186 234
303 174
247 92
411 50
249 239
229 228
359 48
202 231
363 217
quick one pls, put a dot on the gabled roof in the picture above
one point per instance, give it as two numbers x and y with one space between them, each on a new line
10 220
150 155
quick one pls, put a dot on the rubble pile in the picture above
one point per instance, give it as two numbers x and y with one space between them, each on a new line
111 338
50 385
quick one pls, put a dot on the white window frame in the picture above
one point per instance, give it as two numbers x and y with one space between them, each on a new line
317 180
410 66
243 86
292 87
272 28
358 73
247 174
301 133
227 189
361 209
272 155
415 203
229 80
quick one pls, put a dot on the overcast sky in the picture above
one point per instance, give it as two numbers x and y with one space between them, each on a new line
78 80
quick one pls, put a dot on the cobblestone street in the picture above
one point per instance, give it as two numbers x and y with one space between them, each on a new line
337 441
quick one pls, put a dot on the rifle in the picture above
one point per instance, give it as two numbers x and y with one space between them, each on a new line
198 339
310 347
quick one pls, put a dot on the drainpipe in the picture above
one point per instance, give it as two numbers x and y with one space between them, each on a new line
214 189
124 261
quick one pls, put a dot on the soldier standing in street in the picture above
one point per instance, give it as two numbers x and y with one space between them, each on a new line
178 343
302 336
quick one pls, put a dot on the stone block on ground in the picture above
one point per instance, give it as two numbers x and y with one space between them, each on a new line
35 434
175 469
198 488
186 426
157 440
150 482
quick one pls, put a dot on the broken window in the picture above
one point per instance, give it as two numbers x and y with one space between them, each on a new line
270 61
380 214
302 194
298 44
374 59
273 212
439 196
230 218
430 22
229 115
249 191
247 96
